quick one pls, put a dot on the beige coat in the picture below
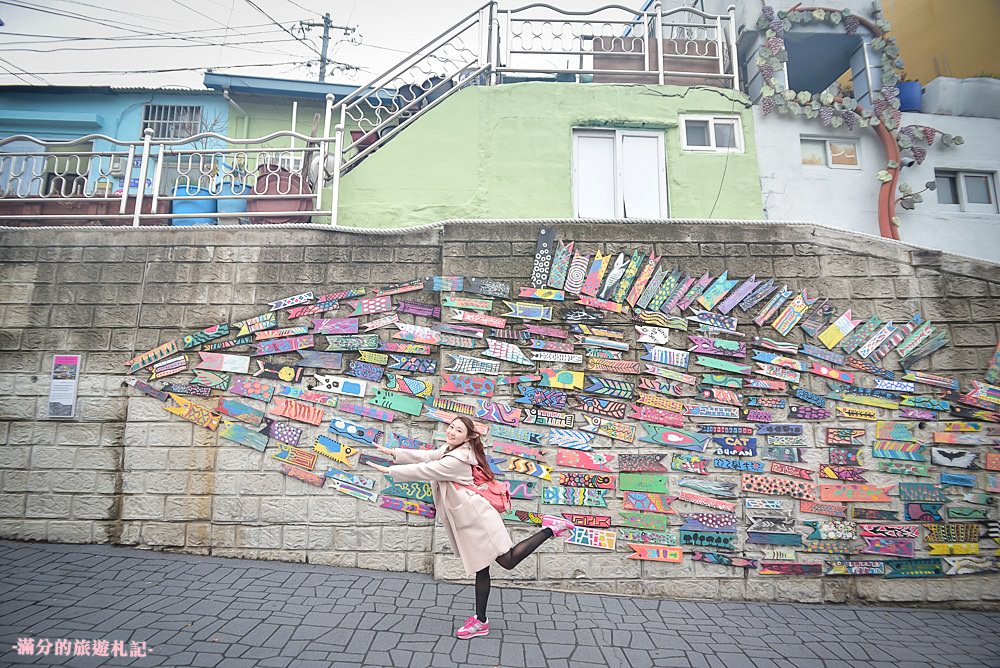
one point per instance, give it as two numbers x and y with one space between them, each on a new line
475 529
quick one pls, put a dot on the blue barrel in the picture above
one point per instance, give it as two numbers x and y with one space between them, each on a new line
192 205
909 95
232 205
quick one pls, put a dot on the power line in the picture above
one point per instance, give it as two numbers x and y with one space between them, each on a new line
107 23
142 34
150 46
271 19
174 35
13 73
179 69
18 67
306 9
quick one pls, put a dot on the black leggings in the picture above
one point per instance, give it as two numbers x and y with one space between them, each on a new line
508 560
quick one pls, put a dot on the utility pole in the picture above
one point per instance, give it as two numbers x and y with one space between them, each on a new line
326 24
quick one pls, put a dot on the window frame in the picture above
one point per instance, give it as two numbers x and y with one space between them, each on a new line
618 134
829 152
963 205
172 121
712 119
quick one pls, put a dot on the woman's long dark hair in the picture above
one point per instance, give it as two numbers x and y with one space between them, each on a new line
476 441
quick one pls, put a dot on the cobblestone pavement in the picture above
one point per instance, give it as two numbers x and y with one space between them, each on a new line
208 611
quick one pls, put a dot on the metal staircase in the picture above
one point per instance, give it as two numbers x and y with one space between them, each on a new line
611 44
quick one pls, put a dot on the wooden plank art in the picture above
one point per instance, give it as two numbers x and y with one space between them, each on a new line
498 412
854 413
395 401
349 387
518 450
360 433
677 438
412 364
642 463
574 496
366 411
191 411
772 305
619 431
542 417
222 362
714 293
793 313
472 365
759 294
591 537
588 480
353 342
544 398
590 461
769 485
335 450
379 323
518 434
817 318
240 433
689 463
648 502
528 467
299 457
737 465
509 352
296 410
319 360
458 383
411 506
239 411
256 324
419 309
954 457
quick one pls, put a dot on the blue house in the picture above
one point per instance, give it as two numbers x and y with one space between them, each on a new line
106 117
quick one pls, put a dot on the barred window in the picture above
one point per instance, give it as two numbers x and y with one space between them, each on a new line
171 121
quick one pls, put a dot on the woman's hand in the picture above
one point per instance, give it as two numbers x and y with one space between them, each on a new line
380 468
385 451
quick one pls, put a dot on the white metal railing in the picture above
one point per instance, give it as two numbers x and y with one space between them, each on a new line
615 43
281 177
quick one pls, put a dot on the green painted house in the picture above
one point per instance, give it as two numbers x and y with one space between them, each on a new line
563 150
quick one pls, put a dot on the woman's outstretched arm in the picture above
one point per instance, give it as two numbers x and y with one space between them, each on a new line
444 469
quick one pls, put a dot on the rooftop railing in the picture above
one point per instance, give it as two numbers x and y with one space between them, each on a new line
205 178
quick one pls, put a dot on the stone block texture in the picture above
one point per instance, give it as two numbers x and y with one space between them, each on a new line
124 471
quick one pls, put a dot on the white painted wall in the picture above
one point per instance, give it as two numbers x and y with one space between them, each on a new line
848 199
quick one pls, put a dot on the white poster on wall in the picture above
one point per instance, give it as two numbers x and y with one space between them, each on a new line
62 392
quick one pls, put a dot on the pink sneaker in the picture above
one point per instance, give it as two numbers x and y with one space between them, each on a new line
560 527
473 627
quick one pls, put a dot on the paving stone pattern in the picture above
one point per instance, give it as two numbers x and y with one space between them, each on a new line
215 612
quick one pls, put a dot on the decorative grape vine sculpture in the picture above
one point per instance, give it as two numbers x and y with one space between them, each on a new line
835 109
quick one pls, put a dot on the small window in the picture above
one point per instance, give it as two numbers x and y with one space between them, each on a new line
720 134
619 174
832 153
170 121
973 192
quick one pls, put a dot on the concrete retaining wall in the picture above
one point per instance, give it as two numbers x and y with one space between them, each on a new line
125 471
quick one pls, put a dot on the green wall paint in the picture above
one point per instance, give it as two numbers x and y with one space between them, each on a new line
506 152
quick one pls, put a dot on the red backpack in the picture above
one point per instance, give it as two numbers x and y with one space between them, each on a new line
493 491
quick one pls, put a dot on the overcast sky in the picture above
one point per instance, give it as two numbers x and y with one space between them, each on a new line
111 42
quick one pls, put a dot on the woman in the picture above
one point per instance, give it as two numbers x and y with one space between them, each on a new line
474 527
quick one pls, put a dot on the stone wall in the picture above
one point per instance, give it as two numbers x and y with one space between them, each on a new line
125 471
